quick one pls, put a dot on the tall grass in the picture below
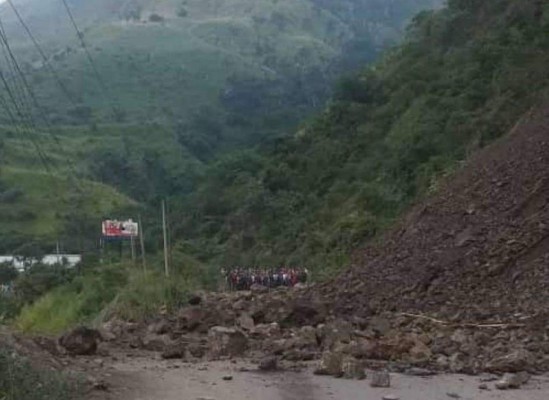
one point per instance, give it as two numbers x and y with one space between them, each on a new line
20 381
116 290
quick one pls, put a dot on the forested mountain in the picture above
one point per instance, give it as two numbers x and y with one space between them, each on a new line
464 75
172 85
233 70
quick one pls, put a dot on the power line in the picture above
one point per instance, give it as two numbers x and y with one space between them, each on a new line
88 55
12 61
37 148
47 63
26 87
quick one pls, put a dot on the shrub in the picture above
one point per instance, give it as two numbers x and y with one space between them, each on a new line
156 18
10 196
19 380
102 292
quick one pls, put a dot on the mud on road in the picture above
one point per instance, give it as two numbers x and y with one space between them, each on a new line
147 377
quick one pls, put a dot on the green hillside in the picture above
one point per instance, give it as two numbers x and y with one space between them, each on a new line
39 203
181 82
84 174
463 77
253 67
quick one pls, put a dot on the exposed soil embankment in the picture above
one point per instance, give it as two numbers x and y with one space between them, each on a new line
478 250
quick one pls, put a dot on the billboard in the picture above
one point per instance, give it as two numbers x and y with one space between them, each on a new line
120 229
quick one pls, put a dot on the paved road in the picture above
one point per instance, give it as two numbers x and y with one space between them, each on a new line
153 379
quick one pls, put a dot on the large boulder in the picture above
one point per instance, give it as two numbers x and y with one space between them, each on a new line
380 379
190 318
154 342
353 369
195 299
331 364
258 289
265 331
159 327
380 326
246 322
268 363
335 332
224 341
513 381
420 353
174 351
516 361
302 313
81 341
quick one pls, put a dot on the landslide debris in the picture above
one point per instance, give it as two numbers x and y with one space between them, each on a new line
478 250
460 285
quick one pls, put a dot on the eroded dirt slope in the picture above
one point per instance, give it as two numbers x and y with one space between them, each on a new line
477 250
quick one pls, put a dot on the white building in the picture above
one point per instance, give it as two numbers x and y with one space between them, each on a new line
20 263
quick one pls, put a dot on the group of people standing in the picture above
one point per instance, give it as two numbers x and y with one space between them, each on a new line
244 278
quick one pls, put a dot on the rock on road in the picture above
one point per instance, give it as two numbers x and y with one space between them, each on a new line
152 379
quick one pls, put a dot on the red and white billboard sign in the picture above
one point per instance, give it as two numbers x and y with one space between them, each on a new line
120 229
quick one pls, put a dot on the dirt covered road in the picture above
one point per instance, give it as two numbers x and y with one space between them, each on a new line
149 378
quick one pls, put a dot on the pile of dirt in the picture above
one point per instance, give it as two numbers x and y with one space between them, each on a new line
285 327
478 250
461 285
475 253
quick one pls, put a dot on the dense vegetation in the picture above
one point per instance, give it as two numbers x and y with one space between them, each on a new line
220 72
463 77
19 380
182 83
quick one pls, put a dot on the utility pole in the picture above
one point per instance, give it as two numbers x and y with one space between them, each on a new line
57 252
132 239
164 230
142 242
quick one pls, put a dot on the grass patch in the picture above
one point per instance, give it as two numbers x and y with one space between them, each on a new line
116 290
19 380
45 199
74 303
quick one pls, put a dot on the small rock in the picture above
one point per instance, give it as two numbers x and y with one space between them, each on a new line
512 381
258 289
196 350
489 378
443 362
153 342
502 385
160 327
100 386
269 363
483 386
518 360
420 352
390 397
380 325
228 378
226 342
380 379
174 351
458 362
353 369
453 395
81 341
420 372
331 364
195 300
246 322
